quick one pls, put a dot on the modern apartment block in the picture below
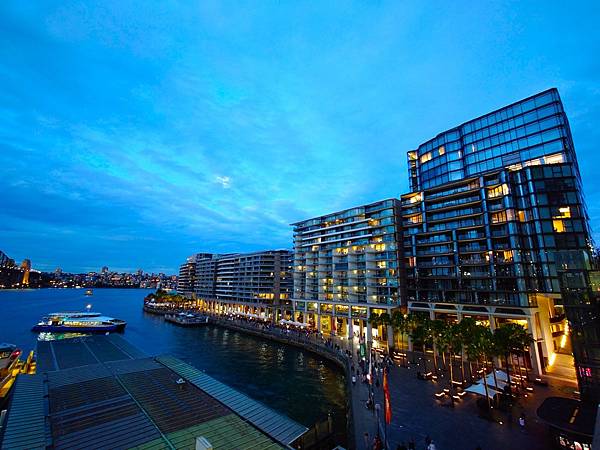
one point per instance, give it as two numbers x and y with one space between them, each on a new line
496 226
346 266
187 274
257 283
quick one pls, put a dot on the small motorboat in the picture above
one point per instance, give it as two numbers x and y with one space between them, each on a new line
187 319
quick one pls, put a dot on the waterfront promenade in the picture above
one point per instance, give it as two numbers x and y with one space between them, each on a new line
416 413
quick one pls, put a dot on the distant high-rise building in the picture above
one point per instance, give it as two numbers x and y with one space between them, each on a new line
250 283
187 274
104 270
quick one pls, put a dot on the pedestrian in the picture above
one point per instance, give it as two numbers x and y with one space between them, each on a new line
522 421
377 444
353 380
366 437
431 446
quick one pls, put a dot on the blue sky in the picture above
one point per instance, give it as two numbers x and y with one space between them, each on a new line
133 134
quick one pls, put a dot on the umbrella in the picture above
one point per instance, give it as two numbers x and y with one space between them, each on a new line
479 389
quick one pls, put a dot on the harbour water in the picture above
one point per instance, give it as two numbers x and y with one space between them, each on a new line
294 382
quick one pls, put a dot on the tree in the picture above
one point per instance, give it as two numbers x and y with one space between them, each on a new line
420 332
437 330
479 347
400 325
511 338
467 329
503 336
449 340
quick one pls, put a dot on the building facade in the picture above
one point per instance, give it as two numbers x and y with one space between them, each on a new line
258 283
496 227
346 267
186 280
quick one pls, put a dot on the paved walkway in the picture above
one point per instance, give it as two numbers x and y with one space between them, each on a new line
417 414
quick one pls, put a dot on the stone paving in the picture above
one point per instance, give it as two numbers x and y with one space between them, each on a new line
416 414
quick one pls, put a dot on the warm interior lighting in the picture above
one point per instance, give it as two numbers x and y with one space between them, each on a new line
425 157
558 225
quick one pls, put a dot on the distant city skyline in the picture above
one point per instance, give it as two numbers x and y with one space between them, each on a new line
133 137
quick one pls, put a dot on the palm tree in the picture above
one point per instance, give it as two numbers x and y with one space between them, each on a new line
420 332
479 347
467 330
384 320
436 331
511 338
449 341
398 323
411 321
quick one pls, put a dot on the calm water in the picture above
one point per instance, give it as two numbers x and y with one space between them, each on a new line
294 382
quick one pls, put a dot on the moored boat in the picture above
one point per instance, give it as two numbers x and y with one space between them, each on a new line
186 320
89 292
79 322
9 367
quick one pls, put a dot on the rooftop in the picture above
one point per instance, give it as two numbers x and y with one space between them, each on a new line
101 392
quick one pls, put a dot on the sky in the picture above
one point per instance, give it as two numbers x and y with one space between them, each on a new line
136 133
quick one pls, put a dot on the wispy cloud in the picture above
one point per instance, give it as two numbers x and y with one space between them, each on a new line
133 136
224 181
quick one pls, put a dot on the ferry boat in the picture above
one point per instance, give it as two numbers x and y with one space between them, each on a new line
186 320
9 367
79 322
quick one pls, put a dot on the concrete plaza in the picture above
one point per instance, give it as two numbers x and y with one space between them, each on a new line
416 414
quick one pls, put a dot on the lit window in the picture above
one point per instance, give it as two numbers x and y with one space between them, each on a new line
564 213
426 157
554 159
558 225
441 150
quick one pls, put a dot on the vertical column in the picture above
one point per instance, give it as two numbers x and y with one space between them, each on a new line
350 326
390 337
533 348
369 329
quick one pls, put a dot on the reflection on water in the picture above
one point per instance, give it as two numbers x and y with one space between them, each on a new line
299 384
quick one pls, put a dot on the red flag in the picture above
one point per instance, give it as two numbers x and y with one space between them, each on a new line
386 399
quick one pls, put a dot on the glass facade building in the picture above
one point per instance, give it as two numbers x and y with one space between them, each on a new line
531 131
346 266
496 228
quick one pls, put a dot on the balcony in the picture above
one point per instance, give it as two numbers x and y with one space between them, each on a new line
558 318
